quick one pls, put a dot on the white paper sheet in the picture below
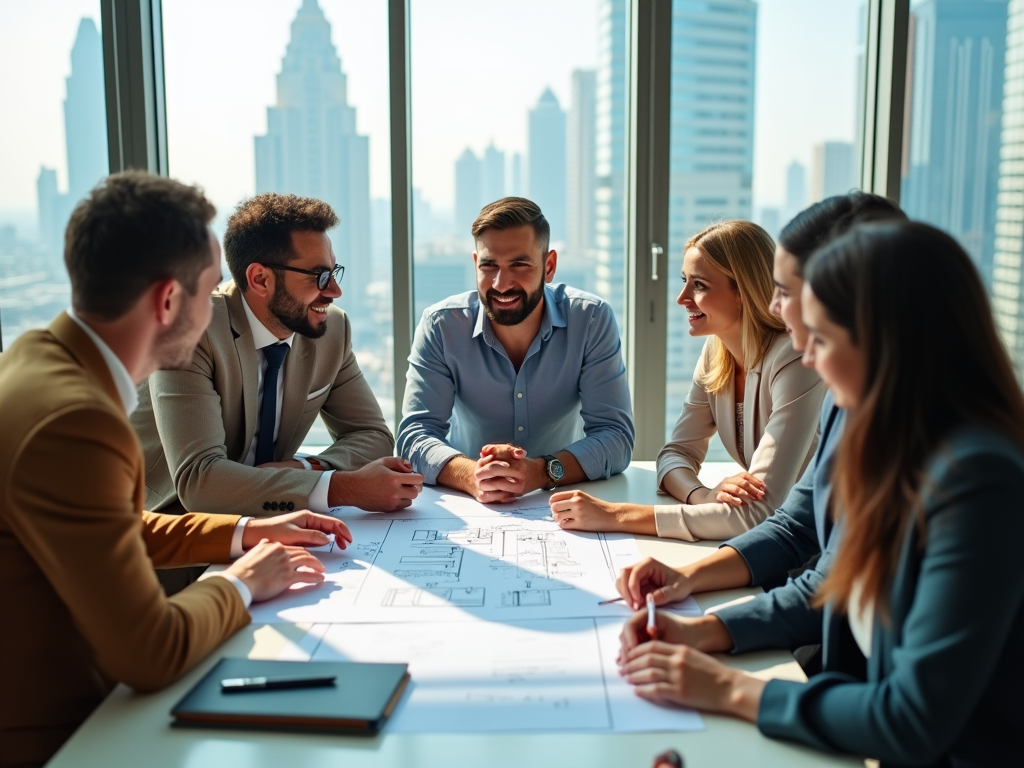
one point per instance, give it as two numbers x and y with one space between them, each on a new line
447 569
480 676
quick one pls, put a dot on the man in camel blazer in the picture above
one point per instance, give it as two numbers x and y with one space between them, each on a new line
199 426
77 551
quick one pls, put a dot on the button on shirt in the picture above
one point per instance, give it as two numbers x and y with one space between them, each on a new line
570 393
261 338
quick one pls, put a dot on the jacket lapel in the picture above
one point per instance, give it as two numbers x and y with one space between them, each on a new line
750 411
247 361
298 372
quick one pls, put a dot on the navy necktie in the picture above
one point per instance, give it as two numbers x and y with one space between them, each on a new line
274 355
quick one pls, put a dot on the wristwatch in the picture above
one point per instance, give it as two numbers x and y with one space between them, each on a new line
555 471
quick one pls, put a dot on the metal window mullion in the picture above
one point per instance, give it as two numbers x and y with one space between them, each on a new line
133 66
650 89
885 83
401 194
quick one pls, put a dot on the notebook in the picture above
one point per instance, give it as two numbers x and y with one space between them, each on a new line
360 701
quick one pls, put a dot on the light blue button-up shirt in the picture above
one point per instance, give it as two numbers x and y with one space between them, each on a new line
462 391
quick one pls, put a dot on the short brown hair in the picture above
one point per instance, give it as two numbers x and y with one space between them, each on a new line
512 212
260 230
131 231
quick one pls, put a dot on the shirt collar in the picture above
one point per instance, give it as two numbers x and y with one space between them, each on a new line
261 337
554 316
123 382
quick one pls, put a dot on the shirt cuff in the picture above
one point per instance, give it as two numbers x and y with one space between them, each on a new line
317 500
670 522
236 538
237 583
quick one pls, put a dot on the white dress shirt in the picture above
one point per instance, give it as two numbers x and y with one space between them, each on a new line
130 400
261 338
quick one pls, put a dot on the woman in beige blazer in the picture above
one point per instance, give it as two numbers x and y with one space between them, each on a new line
749 386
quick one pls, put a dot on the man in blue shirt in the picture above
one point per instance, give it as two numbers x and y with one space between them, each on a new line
517 385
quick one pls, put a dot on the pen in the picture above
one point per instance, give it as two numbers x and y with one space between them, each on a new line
652 622
236 684
611 600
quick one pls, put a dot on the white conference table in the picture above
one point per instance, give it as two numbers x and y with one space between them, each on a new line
132 729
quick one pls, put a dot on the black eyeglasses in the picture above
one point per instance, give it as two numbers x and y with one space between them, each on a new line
323 276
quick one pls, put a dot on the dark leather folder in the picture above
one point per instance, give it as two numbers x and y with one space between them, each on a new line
360 701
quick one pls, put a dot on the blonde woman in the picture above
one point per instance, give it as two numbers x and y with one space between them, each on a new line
749 387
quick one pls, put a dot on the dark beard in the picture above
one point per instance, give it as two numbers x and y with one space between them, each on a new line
293 315
513 316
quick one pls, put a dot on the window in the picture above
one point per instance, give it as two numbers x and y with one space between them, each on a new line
294 99
962 141
755 148
514 114
53 149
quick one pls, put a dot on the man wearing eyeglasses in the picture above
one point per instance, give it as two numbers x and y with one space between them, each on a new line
221 435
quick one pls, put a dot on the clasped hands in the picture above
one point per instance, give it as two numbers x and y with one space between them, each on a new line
503 472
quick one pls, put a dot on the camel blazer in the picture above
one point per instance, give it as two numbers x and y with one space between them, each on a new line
781 404
196 425
80 597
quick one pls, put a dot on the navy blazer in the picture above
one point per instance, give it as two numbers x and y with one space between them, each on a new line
943 681
799 530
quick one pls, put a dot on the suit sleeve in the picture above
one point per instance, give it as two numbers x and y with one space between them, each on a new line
789 538
968 597
789 436
190 421
353 417
427 407
604 402
88 538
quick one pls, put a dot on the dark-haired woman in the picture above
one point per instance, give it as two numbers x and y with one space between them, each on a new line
801 527
925 575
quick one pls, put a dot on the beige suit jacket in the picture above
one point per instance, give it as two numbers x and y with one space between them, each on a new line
196 425
81 604
781 404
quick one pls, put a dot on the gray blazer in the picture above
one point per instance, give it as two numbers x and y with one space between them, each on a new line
781 403
943 680
196 425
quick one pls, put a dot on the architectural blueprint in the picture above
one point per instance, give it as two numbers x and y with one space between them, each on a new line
443 569
480 676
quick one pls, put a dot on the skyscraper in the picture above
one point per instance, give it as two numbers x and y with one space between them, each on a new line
85 117
581 176
958 50
546 175
1008 262
832 169
85 135
492 175
796 191
468 194
312 148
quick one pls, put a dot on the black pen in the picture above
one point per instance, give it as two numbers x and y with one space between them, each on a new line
236 684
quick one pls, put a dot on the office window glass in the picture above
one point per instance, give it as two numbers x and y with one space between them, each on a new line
765 116
962 164
294 99
525 99
53 149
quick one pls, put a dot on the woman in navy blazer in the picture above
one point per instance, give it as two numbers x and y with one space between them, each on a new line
924 576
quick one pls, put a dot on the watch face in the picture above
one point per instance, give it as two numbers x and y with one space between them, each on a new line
556 470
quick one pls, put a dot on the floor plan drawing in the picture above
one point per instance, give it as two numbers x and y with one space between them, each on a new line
497 567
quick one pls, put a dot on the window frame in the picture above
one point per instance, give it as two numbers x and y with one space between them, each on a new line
137 137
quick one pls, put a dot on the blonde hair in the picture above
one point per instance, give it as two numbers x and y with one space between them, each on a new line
744 253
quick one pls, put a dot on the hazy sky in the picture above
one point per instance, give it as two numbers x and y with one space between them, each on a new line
478 67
